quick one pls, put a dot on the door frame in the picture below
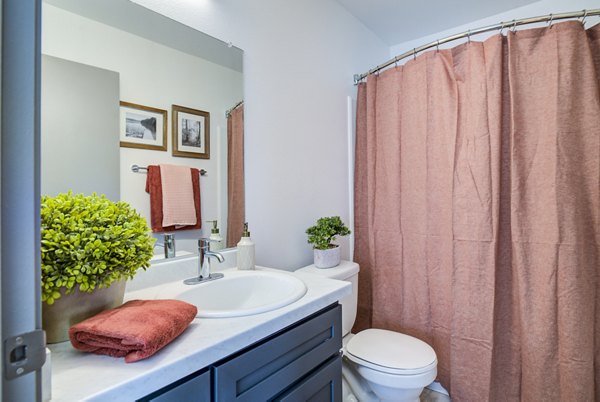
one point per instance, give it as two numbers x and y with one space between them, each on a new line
20 184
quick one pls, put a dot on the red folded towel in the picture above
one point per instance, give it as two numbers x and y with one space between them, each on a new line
154 188
136 330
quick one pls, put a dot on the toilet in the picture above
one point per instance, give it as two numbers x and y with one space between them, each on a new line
378 365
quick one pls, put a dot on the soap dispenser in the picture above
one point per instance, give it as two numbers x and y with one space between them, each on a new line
216 243
245 257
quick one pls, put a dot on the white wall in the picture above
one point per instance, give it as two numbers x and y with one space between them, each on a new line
542 7
70 126
154 75
299 60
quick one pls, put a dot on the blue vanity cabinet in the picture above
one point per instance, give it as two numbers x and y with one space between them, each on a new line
195 387
279 363
299 363
324 384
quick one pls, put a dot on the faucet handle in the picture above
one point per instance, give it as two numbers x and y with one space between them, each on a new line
203 242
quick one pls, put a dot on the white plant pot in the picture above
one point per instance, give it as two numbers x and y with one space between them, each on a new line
327 258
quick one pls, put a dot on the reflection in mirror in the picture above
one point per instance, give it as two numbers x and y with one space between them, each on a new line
87 161
100 53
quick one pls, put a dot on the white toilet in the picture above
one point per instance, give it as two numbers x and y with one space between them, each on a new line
379 365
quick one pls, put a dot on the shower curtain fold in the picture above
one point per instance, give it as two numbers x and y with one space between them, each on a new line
477 208
236 210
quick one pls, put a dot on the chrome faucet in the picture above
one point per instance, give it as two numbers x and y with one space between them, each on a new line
168 244
204 255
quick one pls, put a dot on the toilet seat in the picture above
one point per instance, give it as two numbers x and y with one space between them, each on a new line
389 370
391 352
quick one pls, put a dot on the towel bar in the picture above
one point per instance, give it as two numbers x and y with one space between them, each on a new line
137 169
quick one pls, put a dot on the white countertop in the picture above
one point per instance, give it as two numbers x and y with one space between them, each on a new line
78 376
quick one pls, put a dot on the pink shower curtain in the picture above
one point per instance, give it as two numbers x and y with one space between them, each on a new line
235 176
477 212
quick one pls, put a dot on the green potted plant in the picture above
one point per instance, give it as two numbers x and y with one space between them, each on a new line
321 236
90 246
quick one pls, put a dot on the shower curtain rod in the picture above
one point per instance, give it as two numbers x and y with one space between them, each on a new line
228 112
510 24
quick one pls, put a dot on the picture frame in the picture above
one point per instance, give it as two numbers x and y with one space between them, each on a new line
191 132
142 127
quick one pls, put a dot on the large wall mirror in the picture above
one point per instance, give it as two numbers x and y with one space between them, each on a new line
115 75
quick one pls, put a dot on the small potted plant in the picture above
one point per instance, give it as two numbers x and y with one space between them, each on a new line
90 246
321 236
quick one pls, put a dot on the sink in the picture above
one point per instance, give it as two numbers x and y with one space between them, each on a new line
242 293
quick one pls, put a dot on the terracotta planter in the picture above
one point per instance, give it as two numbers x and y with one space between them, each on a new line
327 258
76 307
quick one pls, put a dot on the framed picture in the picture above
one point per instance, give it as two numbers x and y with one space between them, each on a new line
143 127
191 132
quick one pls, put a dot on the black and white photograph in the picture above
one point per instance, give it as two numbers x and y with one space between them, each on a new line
140 127
191 132
143 127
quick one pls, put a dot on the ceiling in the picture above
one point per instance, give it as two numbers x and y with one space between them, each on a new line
397 21
140 21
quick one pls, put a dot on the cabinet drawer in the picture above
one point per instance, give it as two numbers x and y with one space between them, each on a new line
324 385
270 367
195 387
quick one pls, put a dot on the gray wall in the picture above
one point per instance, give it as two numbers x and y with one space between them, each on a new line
80 129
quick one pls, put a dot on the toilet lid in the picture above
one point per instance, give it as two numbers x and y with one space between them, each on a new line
391 352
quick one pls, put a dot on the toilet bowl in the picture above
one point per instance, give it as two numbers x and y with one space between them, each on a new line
378 364
395 366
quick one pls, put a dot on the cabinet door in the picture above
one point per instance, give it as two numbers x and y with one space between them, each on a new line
193 388
324 385
271 367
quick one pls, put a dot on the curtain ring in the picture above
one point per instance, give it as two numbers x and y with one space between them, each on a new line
396 62
469 36
550 22
583 18
514 27
437 46
502 27
414 53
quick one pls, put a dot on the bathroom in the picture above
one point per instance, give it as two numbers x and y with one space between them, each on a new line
297 56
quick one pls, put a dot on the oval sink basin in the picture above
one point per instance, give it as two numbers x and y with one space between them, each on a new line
242 293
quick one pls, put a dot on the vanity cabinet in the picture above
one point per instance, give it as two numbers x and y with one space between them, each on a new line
299 363
267 369
323 384
195 387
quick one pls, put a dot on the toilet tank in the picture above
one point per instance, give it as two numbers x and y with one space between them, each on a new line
346 271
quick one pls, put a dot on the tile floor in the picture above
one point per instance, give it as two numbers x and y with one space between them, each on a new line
432 396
